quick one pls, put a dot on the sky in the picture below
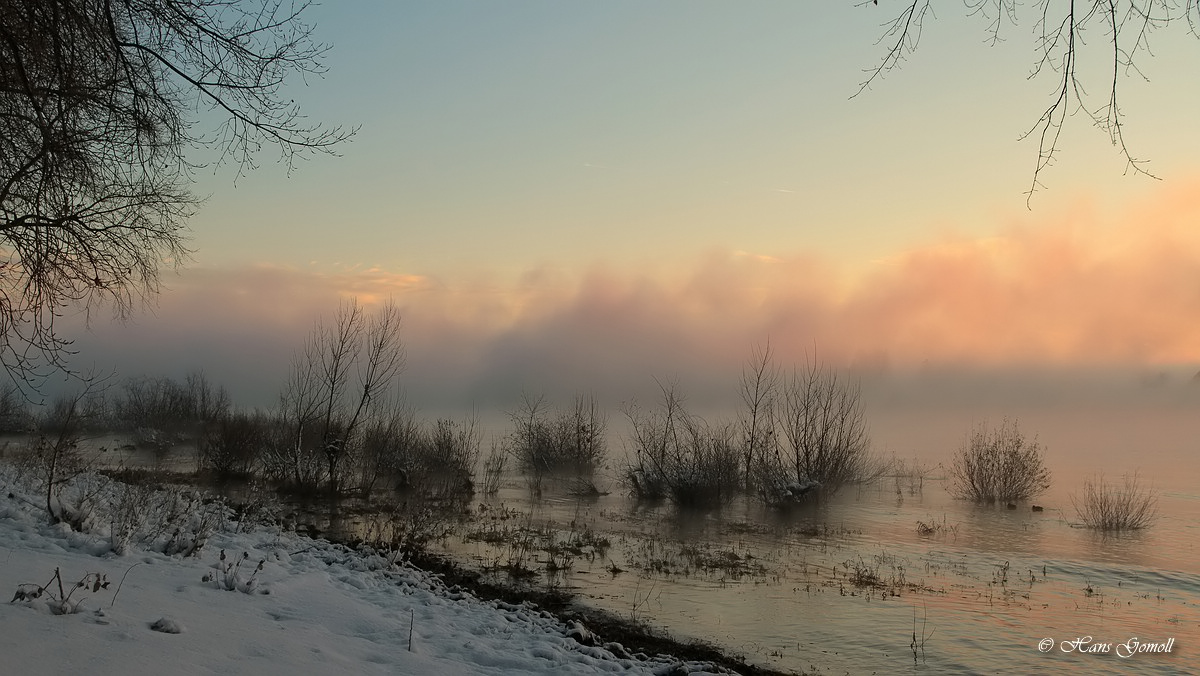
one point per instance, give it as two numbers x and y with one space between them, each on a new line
565 197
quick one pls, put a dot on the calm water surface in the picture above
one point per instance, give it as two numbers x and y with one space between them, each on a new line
842 585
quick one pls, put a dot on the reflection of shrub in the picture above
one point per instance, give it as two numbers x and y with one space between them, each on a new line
558 441
681 457
999 464
1110 506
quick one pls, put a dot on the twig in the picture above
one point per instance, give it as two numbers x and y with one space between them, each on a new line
122 582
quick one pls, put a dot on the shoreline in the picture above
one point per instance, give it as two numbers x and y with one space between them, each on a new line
606 626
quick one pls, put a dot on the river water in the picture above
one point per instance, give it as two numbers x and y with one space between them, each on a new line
848 584
851 583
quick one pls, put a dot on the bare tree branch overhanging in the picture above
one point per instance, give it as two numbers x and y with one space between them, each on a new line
1060 28
99 101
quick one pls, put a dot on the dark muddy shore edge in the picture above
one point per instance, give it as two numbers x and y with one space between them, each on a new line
608 627
634 636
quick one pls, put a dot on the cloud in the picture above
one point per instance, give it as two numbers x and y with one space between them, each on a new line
1073 289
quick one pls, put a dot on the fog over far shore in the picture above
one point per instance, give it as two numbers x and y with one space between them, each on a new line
1070 312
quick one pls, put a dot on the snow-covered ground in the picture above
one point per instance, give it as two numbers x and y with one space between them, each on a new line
313 608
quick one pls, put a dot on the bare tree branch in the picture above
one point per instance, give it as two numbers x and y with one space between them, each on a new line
98 100
1059 31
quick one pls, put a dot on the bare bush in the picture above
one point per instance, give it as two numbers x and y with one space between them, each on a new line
546 441
446 459
15 416
164 412
824 442
233 444
53 457
388 449
999 464
346 369
169 518
291 456
1110 506
493 468
910 475
758 418
681 457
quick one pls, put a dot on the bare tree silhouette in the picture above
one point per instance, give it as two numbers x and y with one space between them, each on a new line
99 109
1060 28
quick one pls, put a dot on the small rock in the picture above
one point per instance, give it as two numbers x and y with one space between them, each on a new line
618 650
580 633
167 625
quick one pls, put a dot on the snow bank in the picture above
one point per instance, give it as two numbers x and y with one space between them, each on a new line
313 608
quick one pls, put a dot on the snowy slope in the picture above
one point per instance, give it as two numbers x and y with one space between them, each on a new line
315 608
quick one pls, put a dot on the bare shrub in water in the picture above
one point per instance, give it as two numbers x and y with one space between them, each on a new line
232 444
387 450
15 416
493 468
346 369
999 464
824 442
291 456
1111 506
446 456
163 412
546 441
758 417
681 457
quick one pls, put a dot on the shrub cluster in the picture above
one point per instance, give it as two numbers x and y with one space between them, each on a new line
546 441
681 457
231 445
999 464
165 412
803 432
1110 506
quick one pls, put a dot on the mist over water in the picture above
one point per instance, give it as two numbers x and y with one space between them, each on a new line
801 613
989 588
982 590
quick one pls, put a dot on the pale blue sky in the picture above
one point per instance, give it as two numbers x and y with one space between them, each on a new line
503 135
